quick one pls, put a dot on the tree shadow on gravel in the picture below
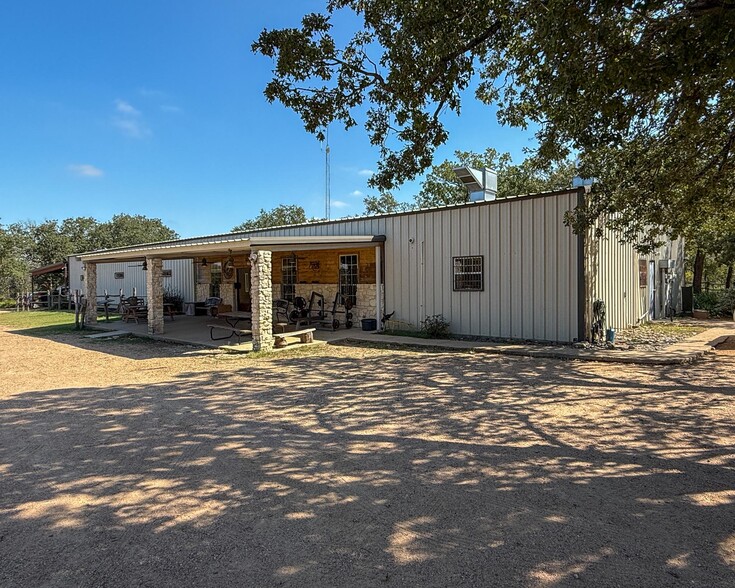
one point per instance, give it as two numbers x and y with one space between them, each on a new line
394 469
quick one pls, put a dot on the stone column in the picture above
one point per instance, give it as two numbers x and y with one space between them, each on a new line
203 279
262 300
154 289
90 293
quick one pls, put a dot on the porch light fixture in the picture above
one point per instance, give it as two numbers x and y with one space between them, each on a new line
204 262
145 265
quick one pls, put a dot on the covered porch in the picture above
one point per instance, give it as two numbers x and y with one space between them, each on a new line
270 280
194 330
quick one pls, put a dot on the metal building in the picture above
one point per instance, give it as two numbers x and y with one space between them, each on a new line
505 268
129 276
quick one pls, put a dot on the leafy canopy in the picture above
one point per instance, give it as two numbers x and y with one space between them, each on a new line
27 245
642 90
441 186
281 215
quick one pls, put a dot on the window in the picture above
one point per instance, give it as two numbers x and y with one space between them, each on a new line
642 273
215 279
119 275
288 278
348 274
166 273
467 273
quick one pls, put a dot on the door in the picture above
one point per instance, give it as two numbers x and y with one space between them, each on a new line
242 290
651 290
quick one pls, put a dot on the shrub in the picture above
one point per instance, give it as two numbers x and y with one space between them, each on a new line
717 302
726 304
7 303
174 297
435 327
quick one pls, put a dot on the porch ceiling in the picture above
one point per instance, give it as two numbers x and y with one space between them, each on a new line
200 247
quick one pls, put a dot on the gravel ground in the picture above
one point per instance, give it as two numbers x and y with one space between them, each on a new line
132 463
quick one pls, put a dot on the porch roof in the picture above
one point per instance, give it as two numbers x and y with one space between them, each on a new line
186 248
47 269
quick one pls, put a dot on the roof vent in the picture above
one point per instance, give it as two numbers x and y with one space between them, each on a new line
482 184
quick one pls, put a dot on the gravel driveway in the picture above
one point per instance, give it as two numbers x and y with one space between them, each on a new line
130 463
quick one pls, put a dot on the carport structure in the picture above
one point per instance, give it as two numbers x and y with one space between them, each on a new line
251 258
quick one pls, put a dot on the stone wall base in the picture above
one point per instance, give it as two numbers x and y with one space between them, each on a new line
365 307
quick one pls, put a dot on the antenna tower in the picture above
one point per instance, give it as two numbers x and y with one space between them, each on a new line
327 179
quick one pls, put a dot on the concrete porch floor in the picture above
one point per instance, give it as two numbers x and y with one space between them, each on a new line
193 330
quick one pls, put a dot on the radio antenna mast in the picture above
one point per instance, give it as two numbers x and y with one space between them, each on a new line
327 179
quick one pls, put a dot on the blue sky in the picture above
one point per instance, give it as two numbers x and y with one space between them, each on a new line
156 108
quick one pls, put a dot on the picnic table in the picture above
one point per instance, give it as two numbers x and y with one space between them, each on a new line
234 317
133 308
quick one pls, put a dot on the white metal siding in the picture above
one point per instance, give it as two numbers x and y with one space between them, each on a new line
181 280
530 265
618 285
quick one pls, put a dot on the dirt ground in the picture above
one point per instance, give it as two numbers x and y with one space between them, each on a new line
133 463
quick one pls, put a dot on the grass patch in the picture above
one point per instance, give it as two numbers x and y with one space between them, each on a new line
39 322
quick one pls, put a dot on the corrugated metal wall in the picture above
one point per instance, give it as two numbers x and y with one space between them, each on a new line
181 280
530 265
618 283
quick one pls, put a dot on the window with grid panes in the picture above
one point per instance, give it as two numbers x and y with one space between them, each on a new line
288 278
215 279
467 273
348 274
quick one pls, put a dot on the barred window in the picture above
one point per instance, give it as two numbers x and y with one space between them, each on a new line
119 275
288 278
167 273
348 274
467 273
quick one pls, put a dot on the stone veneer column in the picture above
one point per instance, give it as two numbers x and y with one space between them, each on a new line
203 279
154 290
262 300
90 293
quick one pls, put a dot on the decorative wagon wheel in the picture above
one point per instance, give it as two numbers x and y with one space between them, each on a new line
228 269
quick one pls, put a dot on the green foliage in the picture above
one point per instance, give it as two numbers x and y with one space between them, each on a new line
27 245
442 187
642 91
717 302
172 296
125 229
7 302
386 203
281 215
39 320
435 327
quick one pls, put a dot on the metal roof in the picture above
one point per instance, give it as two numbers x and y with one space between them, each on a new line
47 269
222 243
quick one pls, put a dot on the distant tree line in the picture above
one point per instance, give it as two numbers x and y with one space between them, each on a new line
27 245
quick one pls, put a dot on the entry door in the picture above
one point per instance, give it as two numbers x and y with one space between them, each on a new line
652 290
242 294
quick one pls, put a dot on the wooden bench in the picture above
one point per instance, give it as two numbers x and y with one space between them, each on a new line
232 332
304 335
